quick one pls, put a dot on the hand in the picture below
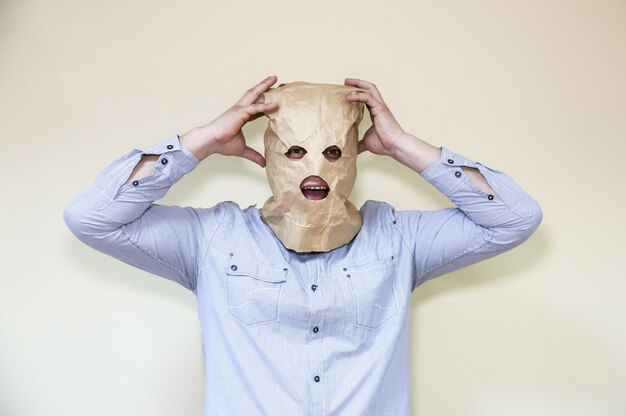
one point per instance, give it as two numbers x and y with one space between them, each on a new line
224 135
385 133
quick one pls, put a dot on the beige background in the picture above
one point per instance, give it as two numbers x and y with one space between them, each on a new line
534 88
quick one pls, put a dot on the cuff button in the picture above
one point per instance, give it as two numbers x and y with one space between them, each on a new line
170 146
450 161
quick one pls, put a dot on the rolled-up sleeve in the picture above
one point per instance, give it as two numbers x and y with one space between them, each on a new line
481 226
121 219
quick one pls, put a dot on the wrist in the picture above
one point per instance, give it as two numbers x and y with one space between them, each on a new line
200 141
415 153
401 145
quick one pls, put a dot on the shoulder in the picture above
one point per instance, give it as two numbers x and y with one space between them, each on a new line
381 217
230 214
228 211
218 214
379 233
376 213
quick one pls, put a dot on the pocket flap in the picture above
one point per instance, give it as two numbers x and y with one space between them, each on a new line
372 265
241 266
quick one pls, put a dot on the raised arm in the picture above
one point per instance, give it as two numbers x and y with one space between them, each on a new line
386 137
223 135
116 214
493 213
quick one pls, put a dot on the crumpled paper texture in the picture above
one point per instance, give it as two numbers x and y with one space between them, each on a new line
314 117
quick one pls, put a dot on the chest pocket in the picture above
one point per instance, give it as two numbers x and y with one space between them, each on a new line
253 291
372 287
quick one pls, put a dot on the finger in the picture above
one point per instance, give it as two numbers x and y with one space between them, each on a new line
259 109
253 111
251 154
253 93
355 82
364 97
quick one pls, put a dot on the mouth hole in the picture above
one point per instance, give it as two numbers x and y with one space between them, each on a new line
314 188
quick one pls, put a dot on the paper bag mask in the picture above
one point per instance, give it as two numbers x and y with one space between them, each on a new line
311 147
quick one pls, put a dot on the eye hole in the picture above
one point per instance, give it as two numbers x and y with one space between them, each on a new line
332 153
295 152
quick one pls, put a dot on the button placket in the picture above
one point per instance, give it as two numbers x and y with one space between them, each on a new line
317 389
314 352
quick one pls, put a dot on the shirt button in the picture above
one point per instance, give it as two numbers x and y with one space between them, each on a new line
164 161
170 147
316 329
317 379
233 267
450 161
135 183
314 288
457 174
490 197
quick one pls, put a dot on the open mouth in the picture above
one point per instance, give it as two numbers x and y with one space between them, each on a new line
314 188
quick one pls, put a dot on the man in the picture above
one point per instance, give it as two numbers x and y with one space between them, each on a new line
298 317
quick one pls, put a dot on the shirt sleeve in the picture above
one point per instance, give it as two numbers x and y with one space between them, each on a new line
481 226
122 220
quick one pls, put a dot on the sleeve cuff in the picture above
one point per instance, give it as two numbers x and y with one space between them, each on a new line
174 162
446 174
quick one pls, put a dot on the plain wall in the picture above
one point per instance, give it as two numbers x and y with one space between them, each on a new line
536 89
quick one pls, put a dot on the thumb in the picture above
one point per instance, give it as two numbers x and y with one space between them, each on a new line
362 146
370 134
251 154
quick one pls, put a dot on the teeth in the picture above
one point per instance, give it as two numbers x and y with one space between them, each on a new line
315 188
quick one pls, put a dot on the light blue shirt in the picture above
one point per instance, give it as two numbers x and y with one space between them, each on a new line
286 333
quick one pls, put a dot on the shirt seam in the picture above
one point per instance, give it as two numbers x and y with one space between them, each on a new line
404 239
209 241
396 226
144 250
